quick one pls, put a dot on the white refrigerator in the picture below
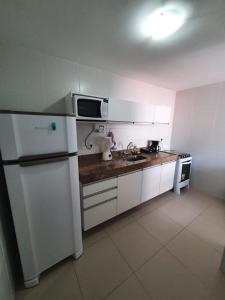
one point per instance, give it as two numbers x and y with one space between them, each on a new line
39 157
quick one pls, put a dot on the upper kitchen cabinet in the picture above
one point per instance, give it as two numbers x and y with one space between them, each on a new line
162 114
94 82
135 112
128 111
142 113
120 110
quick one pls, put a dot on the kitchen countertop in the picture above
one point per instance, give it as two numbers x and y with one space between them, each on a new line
93 168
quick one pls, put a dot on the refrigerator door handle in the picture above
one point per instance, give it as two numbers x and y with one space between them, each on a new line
30 160
42 161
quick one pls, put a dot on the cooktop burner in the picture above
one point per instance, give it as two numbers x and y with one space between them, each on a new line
179 154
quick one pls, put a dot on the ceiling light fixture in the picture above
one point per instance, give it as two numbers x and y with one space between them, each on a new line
163 22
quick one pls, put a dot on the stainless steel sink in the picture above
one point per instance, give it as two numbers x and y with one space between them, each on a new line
134 158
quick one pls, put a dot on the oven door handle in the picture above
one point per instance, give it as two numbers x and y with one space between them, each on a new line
186 163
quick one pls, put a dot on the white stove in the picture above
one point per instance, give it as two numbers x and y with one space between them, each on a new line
183 170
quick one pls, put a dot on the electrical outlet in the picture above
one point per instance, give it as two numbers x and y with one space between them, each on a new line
100 128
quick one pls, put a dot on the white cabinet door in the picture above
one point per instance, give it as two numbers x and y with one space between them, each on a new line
150 183
129 191
162 114
120 110
167 177
94 82
142 112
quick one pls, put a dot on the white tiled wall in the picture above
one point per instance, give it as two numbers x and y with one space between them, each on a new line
199 128
30 80
33 81
123 133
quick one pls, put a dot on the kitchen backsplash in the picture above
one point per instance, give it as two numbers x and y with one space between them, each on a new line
124 133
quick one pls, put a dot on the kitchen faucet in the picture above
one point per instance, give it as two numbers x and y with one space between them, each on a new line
130 146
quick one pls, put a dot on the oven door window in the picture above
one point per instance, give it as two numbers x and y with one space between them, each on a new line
89 108
185 173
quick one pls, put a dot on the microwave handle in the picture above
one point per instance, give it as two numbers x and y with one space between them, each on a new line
103 105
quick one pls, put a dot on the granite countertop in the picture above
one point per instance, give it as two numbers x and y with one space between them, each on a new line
93 168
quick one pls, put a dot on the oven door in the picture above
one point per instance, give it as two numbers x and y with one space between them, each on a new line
185 171
90 108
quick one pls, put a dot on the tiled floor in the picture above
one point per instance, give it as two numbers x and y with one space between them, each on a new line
167 249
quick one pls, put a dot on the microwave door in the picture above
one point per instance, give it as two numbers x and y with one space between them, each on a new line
87 108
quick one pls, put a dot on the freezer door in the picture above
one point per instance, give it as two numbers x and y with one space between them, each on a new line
22 135
45 203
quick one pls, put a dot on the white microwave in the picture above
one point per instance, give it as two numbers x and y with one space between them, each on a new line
88 107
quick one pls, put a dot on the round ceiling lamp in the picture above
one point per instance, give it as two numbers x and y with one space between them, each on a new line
164 22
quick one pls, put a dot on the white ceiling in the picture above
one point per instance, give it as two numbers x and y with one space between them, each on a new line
106 34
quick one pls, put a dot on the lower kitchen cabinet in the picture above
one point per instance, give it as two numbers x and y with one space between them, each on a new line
103 200
151 183
98 202
99 214
157 180
167 176
129 191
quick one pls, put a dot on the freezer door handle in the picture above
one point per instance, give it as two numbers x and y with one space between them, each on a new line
42 161
31 160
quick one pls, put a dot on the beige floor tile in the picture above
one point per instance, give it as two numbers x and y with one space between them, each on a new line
92 237
216 213
193 259
135 244
100 270
198 256
218 292
119 223
129 290
165 278
178 211
58 283
160 226
153 204
196 201
209 232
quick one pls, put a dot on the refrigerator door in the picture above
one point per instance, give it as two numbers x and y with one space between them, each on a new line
45 204
23 135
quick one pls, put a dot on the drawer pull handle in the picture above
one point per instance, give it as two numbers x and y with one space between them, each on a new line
100 192
108 200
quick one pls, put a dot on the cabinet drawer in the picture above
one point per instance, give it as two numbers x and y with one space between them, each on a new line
96 199
99 214
97 187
